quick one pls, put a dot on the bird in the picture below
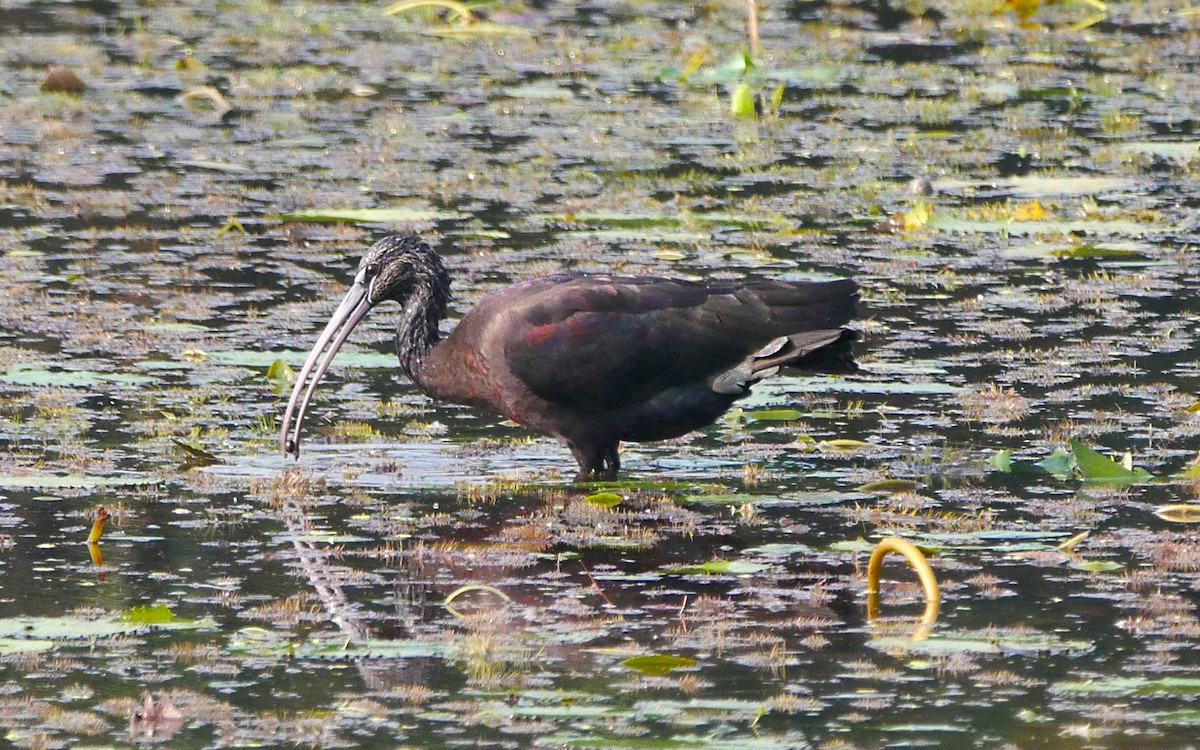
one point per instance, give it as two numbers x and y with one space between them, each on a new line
592 359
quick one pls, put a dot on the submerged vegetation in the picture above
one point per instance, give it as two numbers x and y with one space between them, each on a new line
185 189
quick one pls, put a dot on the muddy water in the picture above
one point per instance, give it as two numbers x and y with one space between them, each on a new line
1016 196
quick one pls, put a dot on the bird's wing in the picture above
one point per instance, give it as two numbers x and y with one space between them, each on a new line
603 343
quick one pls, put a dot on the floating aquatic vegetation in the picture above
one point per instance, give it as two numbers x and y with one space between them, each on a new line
604 499
281 376
1082 461
165 244
394 215
73 481
1098 468
658 664
1179 513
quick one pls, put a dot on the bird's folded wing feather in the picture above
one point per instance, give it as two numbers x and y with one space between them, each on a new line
598 344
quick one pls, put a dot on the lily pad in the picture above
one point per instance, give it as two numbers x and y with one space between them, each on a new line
658 664
21 646
195 455
281 375
634 220
361 358
889 486
1060 464
731 498
149 615
1088 227
394 215
1179 151
369 649
999 540
1121 686
982 642
775 415
37 374
720 567
67 628
1001 460
1092 250
604 499
74 481
1179 513
1098 468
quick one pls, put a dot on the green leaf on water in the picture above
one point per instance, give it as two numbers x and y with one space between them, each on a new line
618 235
741 101
480 28
65 628
1177 151
777 97
1097 566
674 219
546 90
699 741
1060 464
361 358
989 641
720 567
733 70
658 664
281 376
604 499
38 374
995 539
1192 472
22 646
394 215
338 649
1179 717
73 481
156 614
842 444
775 415
1001 460
1179 513
1016 228
728 498
1096 467
852 545
195 455
1095 251
1120 686
889 486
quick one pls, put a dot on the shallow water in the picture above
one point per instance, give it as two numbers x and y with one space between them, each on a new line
162 244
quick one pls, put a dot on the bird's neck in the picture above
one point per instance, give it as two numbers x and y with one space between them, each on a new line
417 331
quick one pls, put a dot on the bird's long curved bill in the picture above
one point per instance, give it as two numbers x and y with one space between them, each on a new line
354 306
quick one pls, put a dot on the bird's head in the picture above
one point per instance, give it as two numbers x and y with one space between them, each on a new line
400 268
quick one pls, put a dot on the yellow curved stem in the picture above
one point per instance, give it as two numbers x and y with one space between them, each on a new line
933 595
98 525
97 556
463 11
476 587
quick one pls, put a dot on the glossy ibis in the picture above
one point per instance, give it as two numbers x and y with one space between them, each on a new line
593 360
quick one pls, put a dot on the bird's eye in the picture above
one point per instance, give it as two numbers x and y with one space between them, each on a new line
372 270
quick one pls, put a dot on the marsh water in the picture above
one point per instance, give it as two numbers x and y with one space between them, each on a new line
1013 186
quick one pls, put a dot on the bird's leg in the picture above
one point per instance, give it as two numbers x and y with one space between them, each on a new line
612 461
596 463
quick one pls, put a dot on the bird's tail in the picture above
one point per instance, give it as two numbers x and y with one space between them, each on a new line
826 350
823 351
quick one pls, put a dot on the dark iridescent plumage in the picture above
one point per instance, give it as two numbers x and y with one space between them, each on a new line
593 360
